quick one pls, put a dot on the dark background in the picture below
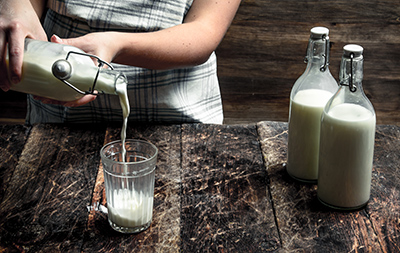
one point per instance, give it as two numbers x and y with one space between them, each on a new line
262 55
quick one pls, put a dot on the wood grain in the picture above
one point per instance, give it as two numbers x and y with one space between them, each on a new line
164 233
218 188
384 206
225 200
44 206
306 224
12 141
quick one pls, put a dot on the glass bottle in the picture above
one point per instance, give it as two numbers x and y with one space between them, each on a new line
64 73
347 139
308 97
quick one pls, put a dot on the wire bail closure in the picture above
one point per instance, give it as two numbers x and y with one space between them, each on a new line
62 70
351 84
325 55
353 87
324 38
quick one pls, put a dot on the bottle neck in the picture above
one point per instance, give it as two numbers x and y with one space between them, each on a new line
350 79
318 53
108 81
351 72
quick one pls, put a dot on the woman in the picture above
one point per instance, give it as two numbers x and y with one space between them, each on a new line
165 48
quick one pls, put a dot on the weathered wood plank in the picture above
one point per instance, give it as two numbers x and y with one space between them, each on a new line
164 233
45 205
12 141
303 222
225 199
384 206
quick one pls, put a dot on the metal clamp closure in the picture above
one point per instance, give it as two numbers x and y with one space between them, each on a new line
351 84
325 55
62 70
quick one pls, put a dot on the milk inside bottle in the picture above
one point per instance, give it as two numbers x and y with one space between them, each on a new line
64 73
308 97
347 139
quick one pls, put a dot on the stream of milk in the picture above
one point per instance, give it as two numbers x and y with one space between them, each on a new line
130 208
122 91
128 205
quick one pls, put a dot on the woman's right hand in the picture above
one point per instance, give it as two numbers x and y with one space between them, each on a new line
18 20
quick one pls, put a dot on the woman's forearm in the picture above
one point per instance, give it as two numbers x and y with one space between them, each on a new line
39 6
188 44
179 46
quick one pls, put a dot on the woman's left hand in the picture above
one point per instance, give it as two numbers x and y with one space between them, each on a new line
98 44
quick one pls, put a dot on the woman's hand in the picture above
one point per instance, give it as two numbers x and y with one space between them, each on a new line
99 44
18 20
187 44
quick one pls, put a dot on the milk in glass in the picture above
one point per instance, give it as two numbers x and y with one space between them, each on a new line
130 208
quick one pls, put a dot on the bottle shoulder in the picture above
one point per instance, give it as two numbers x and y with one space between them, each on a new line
345 96
321 80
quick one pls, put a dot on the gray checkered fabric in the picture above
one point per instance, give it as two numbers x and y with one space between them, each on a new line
169 96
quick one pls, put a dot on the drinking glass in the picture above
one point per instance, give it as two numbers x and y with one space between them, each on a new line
129 184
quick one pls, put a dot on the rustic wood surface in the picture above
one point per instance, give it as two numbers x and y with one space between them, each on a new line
306 224
12 141
164 232
262 55
225 201
43 207
219 188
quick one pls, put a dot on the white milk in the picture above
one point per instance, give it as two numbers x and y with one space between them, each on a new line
346 156
122 92
38 79
130 208
304 127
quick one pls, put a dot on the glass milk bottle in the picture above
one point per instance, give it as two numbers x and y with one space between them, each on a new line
308 97
347 139
64 73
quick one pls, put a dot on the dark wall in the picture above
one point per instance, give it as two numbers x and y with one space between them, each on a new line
263 51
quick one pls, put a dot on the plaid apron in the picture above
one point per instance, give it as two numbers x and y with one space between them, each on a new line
170 96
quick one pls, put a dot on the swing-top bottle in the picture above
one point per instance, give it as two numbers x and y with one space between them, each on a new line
64 73
347 139
308 97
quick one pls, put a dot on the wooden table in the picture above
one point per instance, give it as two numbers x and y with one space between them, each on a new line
219 188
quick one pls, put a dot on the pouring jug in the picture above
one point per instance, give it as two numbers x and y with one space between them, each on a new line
64 72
